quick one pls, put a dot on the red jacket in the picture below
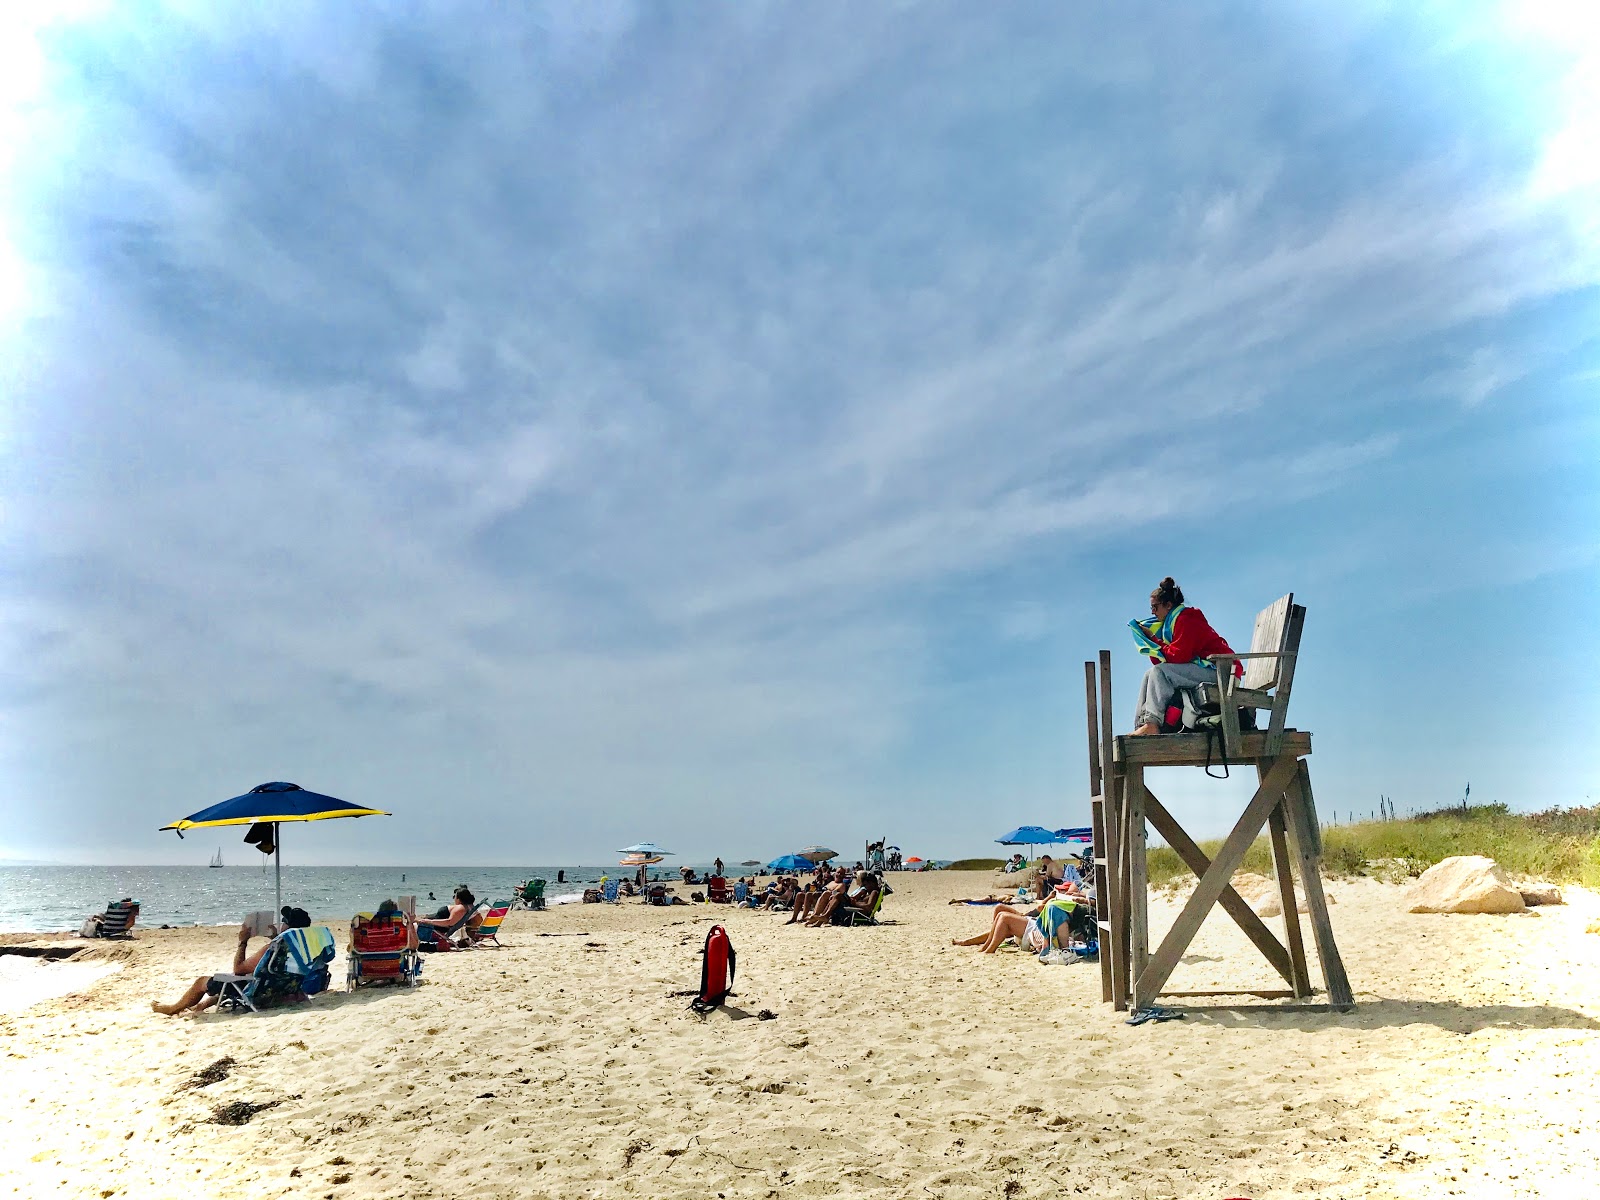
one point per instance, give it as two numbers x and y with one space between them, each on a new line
1193 637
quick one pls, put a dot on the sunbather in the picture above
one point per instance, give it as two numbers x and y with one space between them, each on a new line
863 898
809 898
432 931
203 992
1009 921
779 891
1050 874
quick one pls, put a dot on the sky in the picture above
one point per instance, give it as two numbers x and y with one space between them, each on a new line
735 425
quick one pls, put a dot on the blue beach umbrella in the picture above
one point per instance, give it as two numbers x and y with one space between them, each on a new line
271 804
791 862
1029 835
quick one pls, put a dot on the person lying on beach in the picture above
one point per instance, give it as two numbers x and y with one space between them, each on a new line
862 899
1008 921
991 898
203 992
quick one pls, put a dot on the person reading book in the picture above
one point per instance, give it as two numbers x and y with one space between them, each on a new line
203 992
1179 641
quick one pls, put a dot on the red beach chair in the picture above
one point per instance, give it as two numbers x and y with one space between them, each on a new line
383 949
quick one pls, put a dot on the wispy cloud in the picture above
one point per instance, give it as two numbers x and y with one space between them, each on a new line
586 409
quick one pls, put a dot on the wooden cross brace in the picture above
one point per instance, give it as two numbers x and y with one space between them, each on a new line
1282 802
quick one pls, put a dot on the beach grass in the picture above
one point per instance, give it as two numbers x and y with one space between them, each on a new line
1560 845
976 864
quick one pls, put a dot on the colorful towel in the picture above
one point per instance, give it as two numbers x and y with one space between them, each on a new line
1152 635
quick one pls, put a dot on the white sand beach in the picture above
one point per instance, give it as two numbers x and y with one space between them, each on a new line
564 1066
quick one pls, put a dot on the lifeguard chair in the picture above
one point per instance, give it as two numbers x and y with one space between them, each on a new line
1123 805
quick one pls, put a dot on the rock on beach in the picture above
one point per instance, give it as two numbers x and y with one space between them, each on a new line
1469 883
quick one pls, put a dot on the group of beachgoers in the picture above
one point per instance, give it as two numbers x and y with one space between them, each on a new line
451 925
826 898
1018 917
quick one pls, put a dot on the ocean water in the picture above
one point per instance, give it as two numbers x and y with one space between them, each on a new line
47 899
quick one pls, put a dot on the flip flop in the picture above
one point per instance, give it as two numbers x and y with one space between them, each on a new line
1155 1014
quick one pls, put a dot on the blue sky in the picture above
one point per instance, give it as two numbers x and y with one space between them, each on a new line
735 425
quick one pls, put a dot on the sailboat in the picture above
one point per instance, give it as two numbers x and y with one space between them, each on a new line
216 861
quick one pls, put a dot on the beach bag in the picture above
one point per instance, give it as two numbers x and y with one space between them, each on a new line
91 928
716 972
1194 716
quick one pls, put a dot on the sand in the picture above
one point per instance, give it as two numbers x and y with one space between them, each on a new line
564 1066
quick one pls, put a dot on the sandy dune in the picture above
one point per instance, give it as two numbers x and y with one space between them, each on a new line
563 1066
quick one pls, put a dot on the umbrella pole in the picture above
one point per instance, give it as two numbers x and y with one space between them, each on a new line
277 867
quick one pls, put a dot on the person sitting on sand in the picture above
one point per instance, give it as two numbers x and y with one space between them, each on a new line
203 992
862 899
1184 642
1015 863
430 930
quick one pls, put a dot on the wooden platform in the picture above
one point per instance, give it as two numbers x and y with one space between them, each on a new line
1190 749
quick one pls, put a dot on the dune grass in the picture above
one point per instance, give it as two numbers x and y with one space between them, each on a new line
1561 845
976 864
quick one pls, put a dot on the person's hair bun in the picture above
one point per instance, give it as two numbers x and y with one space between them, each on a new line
1169 582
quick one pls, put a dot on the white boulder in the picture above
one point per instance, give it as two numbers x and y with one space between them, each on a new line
1261 894
1469 883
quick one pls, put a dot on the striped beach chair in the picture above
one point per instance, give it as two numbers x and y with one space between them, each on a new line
295 964
117 920
383 949
489 928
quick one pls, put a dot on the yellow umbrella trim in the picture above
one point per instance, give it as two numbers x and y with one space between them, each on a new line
322 816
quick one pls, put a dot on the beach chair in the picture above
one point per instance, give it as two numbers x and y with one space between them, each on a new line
741 892
532 894
117 920
489 928
1061 918
1268 675
295 964
382 949
609 892
436 938
717 890
854 916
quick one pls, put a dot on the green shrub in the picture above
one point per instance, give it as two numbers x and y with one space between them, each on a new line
1562 845
976 864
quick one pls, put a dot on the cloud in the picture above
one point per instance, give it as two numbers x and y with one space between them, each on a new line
591 411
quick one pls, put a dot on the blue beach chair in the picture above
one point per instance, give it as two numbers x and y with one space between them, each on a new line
609 892
295 964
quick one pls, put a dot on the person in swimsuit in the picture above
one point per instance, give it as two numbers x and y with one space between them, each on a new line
1009 922
203 992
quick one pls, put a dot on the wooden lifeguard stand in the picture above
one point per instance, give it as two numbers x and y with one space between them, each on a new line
1122 805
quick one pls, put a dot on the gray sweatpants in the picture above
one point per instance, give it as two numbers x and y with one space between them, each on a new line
1161 683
